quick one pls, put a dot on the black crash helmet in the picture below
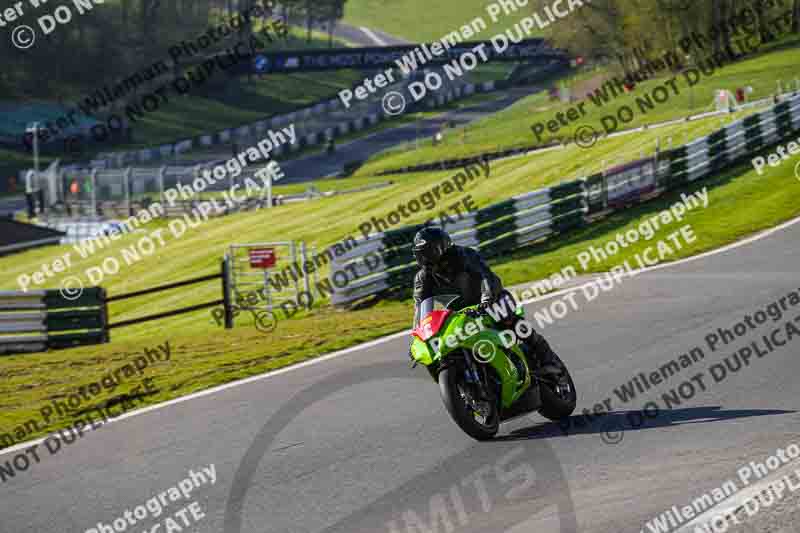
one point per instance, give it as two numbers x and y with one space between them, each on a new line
430 244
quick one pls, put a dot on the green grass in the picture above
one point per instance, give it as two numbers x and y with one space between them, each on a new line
241 104
205 355
400 18
323 185
511 128
387 124
553 166
395 122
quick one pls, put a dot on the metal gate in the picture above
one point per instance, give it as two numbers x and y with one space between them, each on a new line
269 275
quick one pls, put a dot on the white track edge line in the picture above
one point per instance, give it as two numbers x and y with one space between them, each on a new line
730 506
371 35
218 388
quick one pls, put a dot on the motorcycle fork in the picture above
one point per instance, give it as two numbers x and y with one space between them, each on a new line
478 375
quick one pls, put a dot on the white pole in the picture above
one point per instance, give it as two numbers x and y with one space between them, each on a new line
36 149
94 194
161 172
53 176
316 270
268 303
306 280
269 190
127 182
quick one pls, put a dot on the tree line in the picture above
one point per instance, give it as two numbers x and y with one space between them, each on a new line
629 32
115 39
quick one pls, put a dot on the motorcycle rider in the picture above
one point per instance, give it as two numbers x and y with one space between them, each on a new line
449 269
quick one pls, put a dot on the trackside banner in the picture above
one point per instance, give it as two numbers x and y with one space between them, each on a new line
381 57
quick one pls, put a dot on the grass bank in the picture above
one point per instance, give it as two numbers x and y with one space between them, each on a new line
401 17
511 128
204 355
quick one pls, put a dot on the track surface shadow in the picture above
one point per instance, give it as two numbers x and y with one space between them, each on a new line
617 422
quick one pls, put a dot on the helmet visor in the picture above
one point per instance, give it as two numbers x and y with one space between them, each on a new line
425 256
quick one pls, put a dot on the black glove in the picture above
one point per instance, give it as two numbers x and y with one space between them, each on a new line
478 311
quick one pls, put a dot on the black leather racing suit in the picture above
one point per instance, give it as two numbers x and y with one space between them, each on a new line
461 271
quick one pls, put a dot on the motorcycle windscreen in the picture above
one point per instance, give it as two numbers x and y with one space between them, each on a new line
431 324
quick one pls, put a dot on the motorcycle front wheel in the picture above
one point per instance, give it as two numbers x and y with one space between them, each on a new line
473 409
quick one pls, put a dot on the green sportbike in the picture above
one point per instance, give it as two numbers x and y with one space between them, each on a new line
484 375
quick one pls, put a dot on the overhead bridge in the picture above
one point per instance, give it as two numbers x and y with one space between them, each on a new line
413 56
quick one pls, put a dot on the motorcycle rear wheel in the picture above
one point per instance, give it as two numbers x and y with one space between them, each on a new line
559 398
478 418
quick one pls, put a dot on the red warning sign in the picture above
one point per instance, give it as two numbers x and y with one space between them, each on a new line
262 258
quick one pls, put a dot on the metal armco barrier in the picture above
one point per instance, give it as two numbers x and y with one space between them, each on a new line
740 140
35 321
446 164
248 134
384 261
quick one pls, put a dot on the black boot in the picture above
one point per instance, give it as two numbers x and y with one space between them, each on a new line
546 359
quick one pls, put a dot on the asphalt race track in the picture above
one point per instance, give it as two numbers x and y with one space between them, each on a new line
359 36
308 168
312 167
360 442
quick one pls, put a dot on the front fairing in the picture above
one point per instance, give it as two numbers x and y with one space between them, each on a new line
480 337
422 353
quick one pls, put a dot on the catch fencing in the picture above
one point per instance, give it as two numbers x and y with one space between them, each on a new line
383 261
